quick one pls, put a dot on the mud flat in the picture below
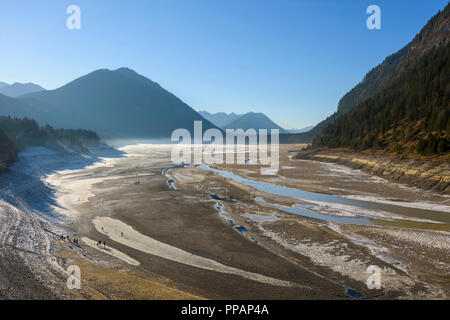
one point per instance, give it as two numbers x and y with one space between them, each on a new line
415 218
177 232
175 235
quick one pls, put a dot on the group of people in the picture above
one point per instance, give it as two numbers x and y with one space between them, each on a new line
74 240
99 243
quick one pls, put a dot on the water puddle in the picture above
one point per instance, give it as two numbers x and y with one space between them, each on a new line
241 229
302 210
219 206
260 218
171 181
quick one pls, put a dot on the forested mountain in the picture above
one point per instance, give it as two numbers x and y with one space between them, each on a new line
434 35
22 133
8 152
411 115
19 89
118 103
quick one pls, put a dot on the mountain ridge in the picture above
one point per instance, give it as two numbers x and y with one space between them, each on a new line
220 119
255 120
18 89
120 103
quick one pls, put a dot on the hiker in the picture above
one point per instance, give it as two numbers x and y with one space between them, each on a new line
104 244
121 234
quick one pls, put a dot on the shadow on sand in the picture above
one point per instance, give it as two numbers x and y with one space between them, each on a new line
23 184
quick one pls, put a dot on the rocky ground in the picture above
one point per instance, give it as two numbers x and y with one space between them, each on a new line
426 175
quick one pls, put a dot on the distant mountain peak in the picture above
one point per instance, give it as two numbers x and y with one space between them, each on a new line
125 70
255 120
119 103
220 119
302 130
19 89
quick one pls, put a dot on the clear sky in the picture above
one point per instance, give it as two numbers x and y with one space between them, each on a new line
291 59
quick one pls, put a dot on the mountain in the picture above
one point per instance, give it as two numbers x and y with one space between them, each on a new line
404 107
305 129
242 121
434 35
220 119
15 108
118 103
255 121
3 84
19 89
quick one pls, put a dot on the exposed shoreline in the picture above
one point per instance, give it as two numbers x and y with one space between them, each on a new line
422 174
175 244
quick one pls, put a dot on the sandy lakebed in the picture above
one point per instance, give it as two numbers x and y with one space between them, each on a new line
221 232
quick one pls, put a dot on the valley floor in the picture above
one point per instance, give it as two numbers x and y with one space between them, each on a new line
222 232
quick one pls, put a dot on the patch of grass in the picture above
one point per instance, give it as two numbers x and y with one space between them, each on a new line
409 224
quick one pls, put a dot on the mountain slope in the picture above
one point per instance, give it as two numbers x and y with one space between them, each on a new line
120 103
15 108
434 35
3 84
411 115
220 119
20 89
8 152
302 130
256 121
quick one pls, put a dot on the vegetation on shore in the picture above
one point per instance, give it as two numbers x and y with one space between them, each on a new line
16 134
8 152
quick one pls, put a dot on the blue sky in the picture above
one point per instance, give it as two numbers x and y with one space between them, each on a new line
290 59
